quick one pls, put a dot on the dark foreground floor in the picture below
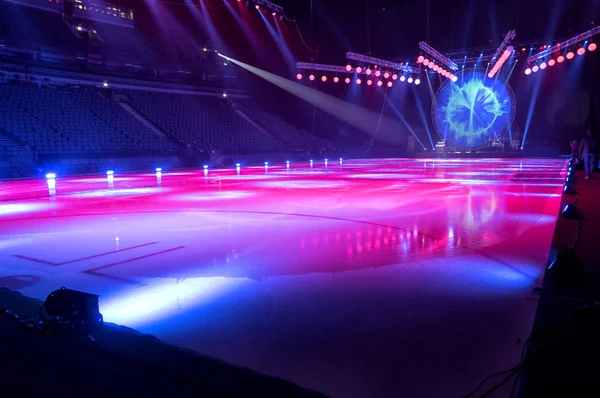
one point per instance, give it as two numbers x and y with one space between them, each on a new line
122 362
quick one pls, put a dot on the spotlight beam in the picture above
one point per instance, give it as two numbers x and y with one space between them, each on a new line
434 101
512 70
401 117
361 118
431 90
423 117
280 43
247 31
209 26
270 6
564 44
532 103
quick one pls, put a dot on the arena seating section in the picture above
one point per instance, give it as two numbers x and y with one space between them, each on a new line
72 121
292 136
76 120
33 26
80 120
123 39
208 122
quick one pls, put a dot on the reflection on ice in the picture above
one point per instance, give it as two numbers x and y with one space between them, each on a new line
165 297
16 208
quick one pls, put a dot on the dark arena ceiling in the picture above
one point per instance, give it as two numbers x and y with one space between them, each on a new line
392 29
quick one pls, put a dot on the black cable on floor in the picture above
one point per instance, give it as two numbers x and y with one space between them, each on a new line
489 378
526 356
500 384
515 384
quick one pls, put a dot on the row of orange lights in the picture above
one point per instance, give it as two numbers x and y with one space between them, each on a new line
501 61
560 59
369 82
436 68
368 72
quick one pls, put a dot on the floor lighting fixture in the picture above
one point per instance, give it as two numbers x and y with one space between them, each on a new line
73 309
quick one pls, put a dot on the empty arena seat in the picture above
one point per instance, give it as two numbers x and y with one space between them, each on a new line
30 25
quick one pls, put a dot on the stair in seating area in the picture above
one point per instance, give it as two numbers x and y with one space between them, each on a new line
142 119
257 126
148 123
278 128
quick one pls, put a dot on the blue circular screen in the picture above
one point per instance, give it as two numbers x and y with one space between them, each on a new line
473 110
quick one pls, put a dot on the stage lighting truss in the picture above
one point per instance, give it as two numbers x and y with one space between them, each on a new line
546 53
435 54
505 43
389 73
501 61
502 53
321 67
269 6
381 63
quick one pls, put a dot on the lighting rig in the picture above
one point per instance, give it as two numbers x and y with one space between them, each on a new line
502 53
365 59
485 56
382 67
320 67
505 43
442 63
385 71
558 49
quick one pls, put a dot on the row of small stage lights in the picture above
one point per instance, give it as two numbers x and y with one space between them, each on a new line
551 55
369 70
110 174
561 58
436 68
570 210
566 267
378 74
